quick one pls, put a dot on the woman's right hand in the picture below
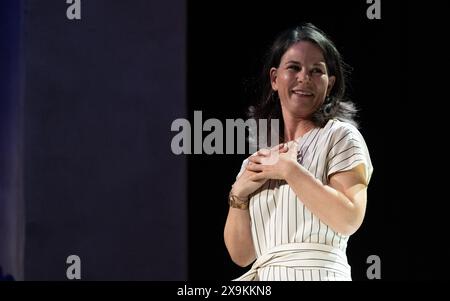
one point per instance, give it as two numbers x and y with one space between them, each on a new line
244 185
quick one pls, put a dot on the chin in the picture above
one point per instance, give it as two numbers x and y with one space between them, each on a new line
302 109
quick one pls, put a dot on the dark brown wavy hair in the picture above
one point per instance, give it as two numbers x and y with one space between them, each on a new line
336 105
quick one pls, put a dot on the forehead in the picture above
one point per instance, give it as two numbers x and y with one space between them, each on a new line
304 52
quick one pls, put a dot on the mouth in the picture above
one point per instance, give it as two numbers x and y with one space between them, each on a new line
302 93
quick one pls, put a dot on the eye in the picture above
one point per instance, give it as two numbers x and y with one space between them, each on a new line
317 71
294 67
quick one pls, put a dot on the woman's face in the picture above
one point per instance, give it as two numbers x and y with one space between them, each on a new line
302 80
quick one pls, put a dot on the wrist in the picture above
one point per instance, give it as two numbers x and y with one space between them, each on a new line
292 171
238 202
237 192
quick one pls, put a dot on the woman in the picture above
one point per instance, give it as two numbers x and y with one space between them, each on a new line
294 206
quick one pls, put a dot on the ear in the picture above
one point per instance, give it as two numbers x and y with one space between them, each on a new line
273 78
331 81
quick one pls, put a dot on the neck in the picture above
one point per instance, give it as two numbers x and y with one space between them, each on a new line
296 127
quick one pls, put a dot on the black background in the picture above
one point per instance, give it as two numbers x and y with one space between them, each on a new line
227 41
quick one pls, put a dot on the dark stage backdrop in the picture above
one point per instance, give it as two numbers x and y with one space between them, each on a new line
100 180
86 109
12 223
227 43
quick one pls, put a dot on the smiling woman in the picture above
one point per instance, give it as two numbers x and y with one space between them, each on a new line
302 79
300 201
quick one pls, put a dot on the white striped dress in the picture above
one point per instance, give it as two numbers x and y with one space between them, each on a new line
291 243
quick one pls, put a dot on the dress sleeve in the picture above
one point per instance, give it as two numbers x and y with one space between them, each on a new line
348 150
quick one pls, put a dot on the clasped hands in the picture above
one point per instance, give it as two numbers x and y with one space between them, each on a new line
274 163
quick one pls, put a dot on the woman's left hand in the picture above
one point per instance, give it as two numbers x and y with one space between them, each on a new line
274 163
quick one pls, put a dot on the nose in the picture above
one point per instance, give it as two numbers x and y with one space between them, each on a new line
303 76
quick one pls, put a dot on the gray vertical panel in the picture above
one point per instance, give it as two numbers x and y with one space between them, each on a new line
101 181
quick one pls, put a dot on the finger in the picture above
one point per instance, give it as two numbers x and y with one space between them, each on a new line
263 152
255 159
295 145
284 148
255 167
278 146
258 177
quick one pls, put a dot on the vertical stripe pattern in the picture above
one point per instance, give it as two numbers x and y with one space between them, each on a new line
278 215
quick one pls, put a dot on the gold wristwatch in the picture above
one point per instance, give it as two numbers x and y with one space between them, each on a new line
237 202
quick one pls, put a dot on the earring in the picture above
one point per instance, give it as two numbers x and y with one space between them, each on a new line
273 94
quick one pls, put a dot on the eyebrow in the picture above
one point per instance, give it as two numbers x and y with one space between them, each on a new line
298 63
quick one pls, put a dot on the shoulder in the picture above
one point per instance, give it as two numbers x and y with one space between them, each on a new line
339 130
346 149
338 126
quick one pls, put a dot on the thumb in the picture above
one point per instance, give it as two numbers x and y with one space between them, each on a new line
257 177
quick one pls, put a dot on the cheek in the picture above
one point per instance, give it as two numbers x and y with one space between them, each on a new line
322 85
285 80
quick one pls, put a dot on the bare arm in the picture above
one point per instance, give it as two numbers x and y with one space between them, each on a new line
237 232
341 204
238 237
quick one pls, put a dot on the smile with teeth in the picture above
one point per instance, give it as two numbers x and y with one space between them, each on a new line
302 93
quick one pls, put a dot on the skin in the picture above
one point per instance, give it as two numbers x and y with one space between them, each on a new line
302 83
